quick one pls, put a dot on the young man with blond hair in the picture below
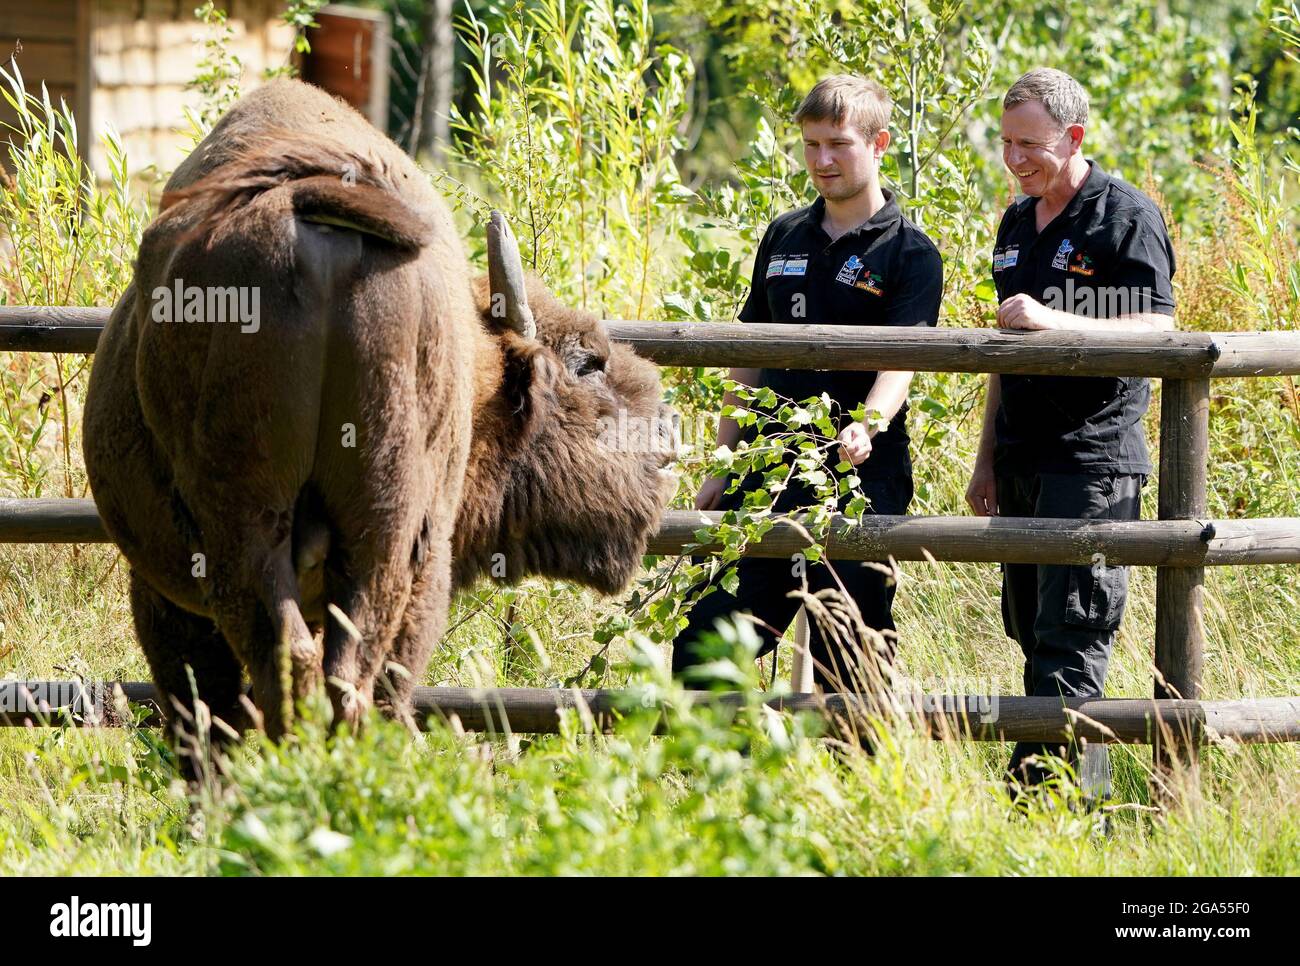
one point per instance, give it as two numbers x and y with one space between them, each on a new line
850 258
1079 250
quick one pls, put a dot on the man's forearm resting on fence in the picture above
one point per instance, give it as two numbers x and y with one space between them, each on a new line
1025 312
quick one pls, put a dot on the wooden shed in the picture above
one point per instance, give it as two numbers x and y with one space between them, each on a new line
128 63
349 58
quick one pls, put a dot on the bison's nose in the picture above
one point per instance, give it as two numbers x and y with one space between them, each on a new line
668 448
669 423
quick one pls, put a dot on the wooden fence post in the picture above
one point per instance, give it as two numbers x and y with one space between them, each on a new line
1180 624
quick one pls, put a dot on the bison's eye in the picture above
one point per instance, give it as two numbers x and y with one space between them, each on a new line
590 366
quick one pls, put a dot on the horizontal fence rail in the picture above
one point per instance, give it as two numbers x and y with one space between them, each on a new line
540 710
54 328
1152 543
1169 355
1149 543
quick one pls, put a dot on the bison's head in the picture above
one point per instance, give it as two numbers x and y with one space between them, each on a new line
570 465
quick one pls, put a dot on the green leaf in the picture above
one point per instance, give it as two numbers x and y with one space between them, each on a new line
678 306
935 408
731 581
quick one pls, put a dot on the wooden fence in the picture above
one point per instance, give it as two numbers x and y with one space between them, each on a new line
1180 544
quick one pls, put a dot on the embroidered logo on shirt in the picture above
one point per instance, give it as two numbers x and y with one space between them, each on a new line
1004 258
1082 264
796 266
848 273
776 265
1062 254
870 282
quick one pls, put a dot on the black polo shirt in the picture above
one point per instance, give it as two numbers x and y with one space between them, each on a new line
884 272
1107 254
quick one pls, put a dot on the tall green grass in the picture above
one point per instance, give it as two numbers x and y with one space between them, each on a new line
67 240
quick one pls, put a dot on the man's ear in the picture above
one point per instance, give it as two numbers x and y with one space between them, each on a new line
528 385
1076 136
881 143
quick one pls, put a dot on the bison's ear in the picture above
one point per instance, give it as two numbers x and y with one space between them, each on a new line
528 385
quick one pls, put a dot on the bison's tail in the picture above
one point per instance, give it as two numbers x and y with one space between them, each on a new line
329 184
297 655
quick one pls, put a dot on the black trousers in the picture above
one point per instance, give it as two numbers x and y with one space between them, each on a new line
1065 617
765 582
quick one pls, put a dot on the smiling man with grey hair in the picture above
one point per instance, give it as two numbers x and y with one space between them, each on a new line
1079 249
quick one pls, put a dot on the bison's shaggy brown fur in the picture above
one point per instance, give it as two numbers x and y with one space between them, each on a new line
220 458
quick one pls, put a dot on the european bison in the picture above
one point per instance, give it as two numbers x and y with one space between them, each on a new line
307 424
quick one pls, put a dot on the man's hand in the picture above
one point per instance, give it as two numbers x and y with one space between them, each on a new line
982 494
1024 312
855 443
710 494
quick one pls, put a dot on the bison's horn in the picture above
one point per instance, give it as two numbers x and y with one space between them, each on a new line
506 278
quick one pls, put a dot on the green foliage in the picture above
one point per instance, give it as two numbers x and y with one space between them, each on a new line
1285 22
67 240
1266 271
218 71
793 442
575 121
301 16
728 220
902 45
1176 75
